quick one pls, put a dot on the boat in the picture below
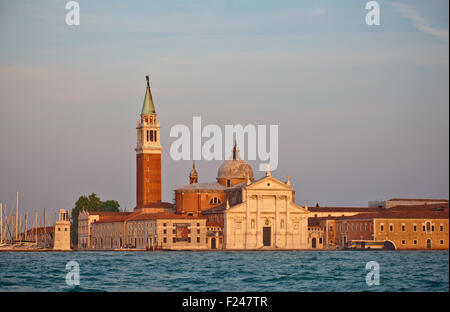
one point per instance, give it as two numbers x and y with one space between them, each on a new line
369 245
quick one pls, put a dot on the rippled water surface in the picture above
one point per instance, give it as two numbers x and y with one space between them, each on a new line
226 271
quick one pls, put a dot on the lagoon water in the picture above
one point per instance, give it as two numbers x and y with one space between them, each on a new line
226 271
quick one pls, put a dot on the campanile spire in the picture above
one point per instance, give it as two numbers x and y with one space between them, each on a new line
148 107
148 153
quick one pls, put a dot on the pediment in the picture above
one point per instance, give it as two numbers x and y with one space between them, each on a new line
269 183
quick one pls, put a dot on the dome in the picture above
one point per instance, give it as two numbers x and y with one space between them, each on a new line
235 169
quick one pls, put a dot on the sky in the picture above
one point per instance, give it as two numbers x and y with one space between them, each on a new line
363 111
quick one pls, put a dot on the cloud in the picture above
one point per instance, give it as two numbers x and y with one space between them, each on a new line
419 22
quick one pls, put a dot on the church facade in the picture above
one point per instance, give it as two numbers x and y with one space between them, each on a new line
246 213
234 212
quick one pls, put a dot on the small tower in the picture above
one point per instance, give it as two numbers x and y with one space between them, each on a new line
148 154
62 231
193 176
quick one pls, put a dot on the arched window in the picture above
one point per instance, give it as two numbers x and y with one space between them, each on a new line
428 226
253 224
215 200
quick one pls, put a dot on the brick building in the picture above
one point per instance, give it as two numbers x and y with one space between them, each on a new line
405 227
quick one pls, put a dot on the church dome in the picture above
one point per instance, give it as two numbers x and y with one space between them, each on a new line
235 169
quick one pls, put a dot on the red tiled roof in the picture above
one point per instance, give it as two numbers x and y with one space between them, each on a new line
402 214
158 205
40 230
344 209
417 207
161 215
216 209
108 213
419 199
115 217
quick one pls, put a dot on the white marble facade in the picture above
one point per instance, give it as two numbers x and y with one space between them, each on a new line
267 218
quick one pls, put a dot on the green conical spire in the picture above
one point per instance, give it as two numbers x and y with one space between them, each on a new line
148 107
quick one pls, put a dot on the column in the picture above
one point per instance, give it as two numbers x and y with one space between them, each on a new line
277 219
247 223
286 223
258 222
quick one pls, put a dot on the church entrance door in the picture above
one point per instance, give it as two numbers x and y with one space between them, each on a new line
266 236
213 243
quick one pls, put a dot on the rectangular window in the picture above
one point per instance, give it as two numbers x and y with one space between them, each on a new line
164 224
403 242
441 228
391 228
189 239
151 135
198 224
382 228
174 240
156 136
415 228
403 228
165 240
198 239
432 228
165 232
198 231
415 242
423 228
442 242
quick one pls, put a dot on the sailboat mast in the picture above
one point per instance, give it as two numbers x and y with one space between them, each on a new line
17 214
26 225
45 228
20 228
1 223
35 227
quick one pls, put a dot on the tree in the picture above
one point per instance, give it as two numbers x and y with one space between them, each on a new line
111 206
89 203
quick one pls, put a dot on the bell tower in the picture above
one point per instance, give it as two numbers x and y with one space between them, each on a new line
148 154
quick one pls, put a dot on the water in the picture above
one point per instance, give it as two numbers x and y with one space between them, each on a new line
226 271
